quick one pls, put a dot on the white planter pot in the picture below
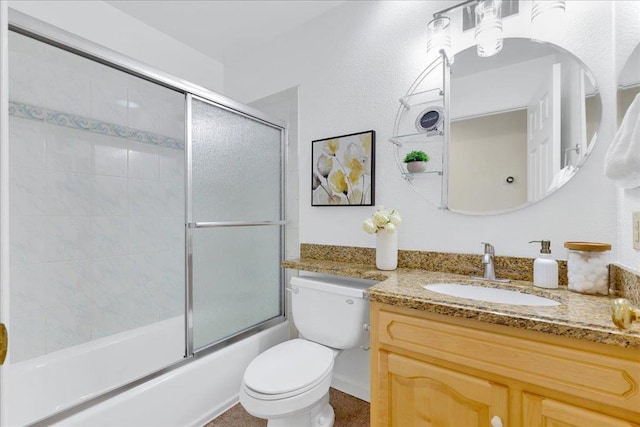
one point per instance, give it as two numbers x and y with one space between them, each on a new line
414 167
386 250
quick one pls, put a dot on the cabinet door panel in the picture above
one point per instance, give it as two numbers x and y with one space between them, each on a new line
424 395
538 411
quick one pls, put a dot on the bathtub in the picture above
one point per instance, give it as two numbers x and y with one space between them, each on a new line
188 396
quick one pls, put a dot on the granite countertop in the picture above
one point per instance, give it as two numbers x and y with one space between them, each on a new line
584 317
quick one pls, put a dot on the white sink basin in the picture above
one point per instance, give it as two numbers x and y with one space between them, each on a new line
480 293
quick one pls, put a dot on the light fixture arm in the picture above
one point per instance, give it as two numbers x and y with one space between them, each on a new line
449 9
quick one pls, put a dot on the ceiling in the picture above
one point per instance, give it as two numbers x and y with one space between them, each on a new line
223 28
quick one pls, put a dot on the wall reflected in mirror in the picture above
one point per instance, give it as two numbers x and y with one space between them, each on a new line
628 83
522 124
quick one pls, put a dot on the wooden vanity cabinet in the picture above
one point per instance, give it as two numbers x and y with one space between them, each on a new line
442 371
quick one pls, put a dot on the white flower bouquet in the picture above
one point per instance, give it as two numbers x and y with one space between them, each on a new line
385 220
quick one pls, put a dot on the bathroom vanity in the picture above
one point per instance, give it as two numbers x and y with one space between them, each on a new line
463 372
451 361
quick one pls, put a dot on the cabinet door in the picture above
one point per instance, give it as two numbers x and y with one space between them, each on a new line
420 394
538 411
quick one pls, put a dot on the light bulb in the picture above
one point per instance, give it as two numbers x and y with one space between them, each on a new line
439 37
488 27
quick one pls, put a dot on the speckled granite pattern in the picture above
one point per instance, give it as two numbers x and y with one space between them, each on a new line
579 316
625 283
467 264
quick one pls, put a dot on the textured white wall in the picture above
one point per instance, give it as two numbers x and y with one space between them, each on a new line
627 37
104 24
352 65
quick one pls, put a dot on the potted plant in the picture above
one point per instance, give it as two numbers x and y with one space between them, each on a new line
416 161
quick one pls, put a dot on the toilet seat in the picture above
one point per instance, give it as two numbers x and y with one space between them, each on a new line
288 369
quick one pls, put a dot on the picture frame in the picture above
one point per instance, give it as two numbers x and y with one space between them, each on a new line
343 170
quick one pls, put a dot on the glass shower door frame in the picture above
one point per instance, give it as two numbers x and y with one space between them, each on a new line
39 30
191 226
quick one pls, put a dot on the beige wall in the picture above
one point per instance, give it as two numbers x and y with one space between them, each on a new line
484 151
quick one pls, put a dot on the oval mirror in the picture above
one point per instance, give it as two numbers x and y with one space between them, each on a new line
522 124
628 83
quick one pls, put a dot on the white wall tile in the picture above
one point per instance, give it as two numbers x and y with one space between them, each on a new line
28 337
109 195
172 195
174 121
26 143
28 78
110 156
172 233
110 315
27 191
67 326
110 276
145 234
143 160
108 101
70 88
68 193
171 165
69 283
146 112
28 287
145 197
109 235
68 150
27 244
27 311
68 238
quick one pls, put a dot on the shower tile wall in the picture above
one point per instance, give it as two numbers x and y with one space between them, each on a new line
96 200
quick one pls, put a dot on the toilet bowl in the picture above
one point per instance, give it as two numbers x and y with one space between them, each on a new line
289 384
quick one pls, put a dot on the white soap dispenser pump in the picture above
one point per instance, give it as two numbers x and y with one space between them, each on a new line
545 268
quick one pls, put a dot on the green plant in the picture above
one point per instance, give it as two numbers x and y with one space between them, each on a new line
416 156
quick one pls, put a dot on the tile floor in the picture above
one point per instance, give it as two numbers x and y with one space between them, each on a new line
350 412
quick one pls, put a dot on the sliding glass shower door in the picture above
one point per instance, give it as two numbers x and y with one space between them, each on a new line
235 223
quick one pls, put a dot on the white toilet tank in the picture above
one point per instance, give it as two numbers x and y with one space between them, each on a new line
331 310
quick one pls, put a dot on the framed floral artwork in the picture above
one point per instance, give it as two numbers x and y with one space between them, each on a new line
343 170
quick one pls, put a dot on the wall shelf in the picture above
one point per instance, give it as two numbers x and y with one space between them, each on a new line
411 175
431 136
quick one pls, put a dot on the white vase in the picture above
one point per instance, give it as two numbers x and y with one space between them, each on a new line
386 250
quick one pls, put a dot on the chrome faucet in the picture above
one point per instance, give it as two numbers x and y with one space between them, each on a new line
489 268
487 260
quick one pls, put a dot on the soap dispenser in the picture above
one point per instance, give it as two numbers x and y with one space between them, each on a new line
545 268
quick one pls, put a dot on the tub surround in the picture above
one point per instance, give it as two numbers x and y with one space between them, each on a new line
583 317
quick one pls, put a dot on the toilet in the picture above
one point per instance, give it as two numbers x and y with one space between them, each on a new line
289 383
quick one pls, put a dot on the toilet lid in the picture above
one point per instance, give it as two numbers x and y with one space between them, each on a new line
290 366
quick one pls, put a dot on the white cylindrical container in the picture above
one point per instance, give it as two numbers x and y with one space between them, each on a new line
588 267
545 268
545 272
386 250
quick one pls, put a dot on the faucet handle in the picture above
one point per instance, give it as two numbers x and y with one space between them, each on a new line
488 248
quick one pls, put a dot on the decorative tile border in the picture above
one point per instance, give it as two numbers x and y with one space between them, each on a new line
32 112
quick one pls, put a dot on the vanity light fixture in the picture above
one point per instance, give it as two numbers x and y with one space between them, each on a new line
486 17
488 27
539 7
439 35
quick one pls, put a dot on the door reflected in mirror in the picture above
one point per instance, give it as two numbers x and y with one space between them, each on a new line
628 83
522 123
